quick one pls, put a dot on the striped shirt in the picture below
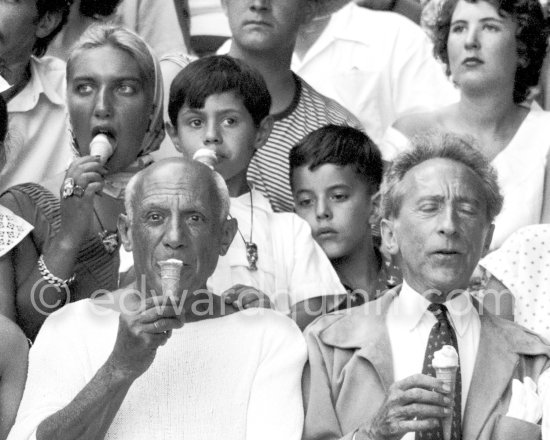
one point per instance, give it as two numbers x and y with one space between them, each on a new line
269 169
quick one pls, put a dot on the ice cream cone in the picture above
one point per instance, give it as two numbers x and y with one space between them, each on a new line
101 146
445 364
170 277
206 156
448 376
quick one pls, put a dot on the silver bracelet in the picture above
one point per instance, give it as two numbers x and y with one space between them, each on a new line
50 278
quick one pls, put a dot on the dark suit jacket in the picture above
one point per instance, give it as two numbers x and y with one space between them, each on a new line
350 369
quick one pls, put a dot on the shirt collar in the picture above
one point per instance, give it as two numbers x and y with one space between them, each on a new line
44 80
343 26
411 307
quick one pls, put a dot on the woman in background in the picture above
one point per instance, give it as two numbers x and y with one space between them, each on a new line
494 49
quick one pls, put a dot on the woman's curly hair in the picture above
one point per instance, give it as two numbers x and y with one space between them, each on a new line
531 37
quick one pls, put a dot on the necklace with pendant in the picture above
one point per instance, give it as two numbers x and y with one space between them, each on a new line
109 239
251 247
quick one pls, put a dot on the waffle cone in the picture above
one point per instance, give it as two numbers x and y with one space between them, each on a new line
170 277
448 376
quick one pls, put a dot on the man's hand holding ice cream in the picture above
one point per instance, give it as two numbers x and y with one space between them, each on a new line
416 403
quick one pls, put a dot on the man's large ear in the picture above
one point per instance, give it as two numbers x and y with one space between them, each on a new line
389 239
47 23
263 132
173 133
125 230
229 229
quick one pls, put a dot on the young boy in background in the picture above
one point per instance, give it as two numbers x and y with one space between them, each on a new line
222 105
334 173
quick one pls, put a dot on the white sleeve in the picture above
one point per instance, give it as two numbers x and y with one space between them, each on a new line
55 375
275 408
310 273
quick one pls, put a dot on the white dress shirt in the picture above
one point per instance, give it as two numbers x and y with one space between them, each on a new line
379 65
39 143
409 324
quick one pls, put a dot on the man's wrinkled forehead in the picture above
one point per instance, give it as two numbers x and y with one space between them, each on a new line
179 181
444 177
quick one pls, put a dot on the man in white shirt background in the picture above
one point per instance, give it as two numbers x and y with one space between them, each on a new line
369 374
377 64
40 144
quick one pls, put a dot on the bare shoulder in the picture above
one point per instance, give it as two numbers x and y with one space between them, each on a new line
417 123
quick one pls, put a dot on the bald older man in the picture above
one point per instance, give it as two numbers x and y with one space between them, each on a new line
97 369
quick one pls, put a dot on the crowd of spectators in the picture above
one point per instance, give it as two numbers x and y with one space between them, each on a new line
275 219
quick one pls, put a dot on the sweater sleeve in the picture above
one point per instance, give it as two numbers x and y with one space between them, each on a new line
275 409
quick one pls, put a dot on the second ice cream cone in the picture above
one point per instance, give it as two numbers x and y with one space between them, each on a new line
447 376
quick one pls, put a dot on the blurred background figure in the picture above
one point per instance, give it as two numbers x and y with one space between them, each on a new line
379 65
40 144
156 21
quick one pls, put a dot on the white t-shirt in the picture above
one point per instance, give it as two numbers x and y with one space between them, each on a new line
291 265
232 378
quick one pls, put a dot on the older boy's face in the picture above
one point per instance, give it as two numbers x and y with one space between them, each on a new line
18 26
265 25
337 205
224 126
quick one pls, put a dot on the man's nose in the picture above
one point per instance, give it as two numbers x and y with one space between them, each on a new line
448 221
175 235
322 209
103 104
259 5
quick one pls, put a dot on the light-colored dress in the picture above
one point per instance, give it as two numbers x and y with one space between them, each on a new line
522 264
521 169
13 229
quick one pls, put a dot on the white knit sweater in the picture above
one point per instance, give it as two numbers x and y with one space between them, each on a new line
236 377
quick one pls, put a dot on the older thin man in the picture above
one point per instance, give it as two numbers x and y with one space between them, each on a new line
370 375
97 369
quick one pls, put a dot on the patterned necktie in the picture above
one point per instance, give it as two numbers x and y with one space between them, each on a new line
442 333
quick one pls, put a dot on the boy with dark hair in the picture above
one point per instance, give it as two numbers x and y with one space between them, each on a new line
221 105
41 144
335 172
